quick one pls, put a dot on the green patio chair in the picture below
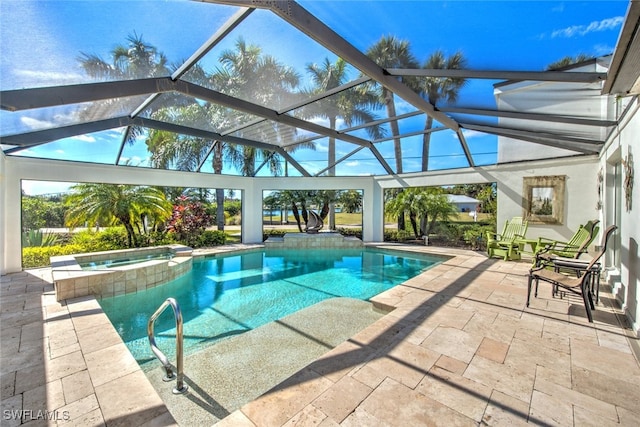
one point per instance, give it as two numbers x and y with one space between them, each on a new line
506 244
576 246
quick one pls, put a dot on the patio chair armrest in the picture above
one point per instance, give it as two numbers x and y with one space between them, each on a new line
572 263
547 242
493 236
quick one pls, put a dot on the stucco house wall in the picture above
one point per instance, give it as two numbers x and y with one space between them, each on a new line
624 273
584 100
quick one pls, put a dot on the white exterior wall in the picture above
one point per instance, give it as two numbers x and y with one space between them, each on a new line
3 224
583 100
625 279
580 194
14 169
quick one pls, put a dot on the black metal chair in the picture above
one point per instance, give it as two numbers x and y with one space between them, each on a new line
583 283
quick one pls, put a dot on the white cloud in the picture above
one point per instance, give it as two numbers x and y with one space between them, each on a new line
32 123
322 146
85 138
469 134
352 164
595 26
33 188
603 49
60 151
49 76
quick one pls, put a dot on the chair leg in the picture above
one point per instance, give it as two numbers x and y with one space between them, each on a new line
536 293
529 288
588 301
587 286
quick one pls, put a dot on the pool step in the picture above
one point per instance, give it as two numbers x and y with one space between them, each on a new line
237 370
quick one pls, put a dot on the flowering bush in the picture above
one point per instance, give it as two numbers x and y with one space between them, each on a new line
188 221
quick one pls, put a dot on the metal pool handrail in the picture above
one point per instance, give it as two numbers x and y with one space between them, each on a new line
180 386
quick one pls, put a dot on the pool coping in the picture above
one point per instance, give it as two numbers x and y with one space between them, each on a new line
71 280
95 346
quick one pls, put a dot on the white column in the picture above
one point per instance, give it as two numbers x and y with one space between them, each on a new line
373 213
252 213
10 195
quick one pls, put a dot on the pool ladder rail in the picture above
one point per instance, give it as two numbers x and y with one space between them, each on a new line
181 387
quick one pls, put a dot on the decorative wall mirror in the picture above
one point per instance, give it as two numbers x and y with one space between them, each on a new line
543 199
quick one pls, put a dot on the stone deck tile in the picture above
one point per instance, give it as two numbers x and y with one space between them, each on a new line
342 398
459 340
277 406
461 394
44 364
398 405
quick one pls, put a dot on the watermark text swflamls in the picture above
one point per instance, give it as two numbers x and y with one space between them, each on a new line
30 415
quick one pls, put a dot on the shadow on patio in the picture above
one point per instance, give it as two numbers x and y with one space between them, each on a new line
458 348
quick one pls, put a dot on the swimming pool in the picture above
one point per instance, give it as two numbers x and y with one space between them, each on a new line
226 295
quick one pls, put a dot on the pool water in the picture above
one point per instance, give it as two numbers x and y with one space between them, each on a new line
111 263
227 295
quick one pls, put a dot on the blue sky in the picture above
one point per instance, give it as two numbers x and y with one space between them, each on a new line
492 35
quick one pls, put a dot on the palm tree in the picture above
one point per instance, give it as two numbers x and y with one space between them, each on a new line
433 89
244 73
110 203
391 52
248 74
185 152
424 207
134 60
351 201
352 106
569 60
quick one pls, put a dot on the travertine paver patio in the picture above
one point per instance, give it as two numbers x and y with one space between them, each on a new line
458 349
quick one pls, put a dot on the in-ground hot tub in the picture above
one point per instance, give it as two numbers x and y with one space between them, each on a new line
111 273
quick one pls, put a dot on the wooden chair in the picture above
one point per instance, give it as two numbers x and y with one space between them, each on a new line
582 283
506 244
575 247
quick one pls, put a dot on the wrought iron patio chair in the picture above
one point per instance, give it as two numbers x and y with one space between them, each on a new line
582 283
506 244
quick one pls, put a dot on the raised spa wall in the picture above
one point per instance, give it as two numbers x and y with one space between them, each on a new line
71 281
313 241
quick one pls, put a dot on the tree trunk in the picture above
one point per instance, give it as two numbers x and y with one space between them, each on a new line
332 172
217 169
423 226
220 208
414 224
397 146
395 130
296 215
130 233
324 211
432 224
426 142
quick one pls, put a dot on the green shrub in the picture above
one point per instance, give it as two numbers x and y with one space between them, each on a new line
354 232
155 238
38 256
107 240
38 238
403 235
275 233
390 235
212 238
233 207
